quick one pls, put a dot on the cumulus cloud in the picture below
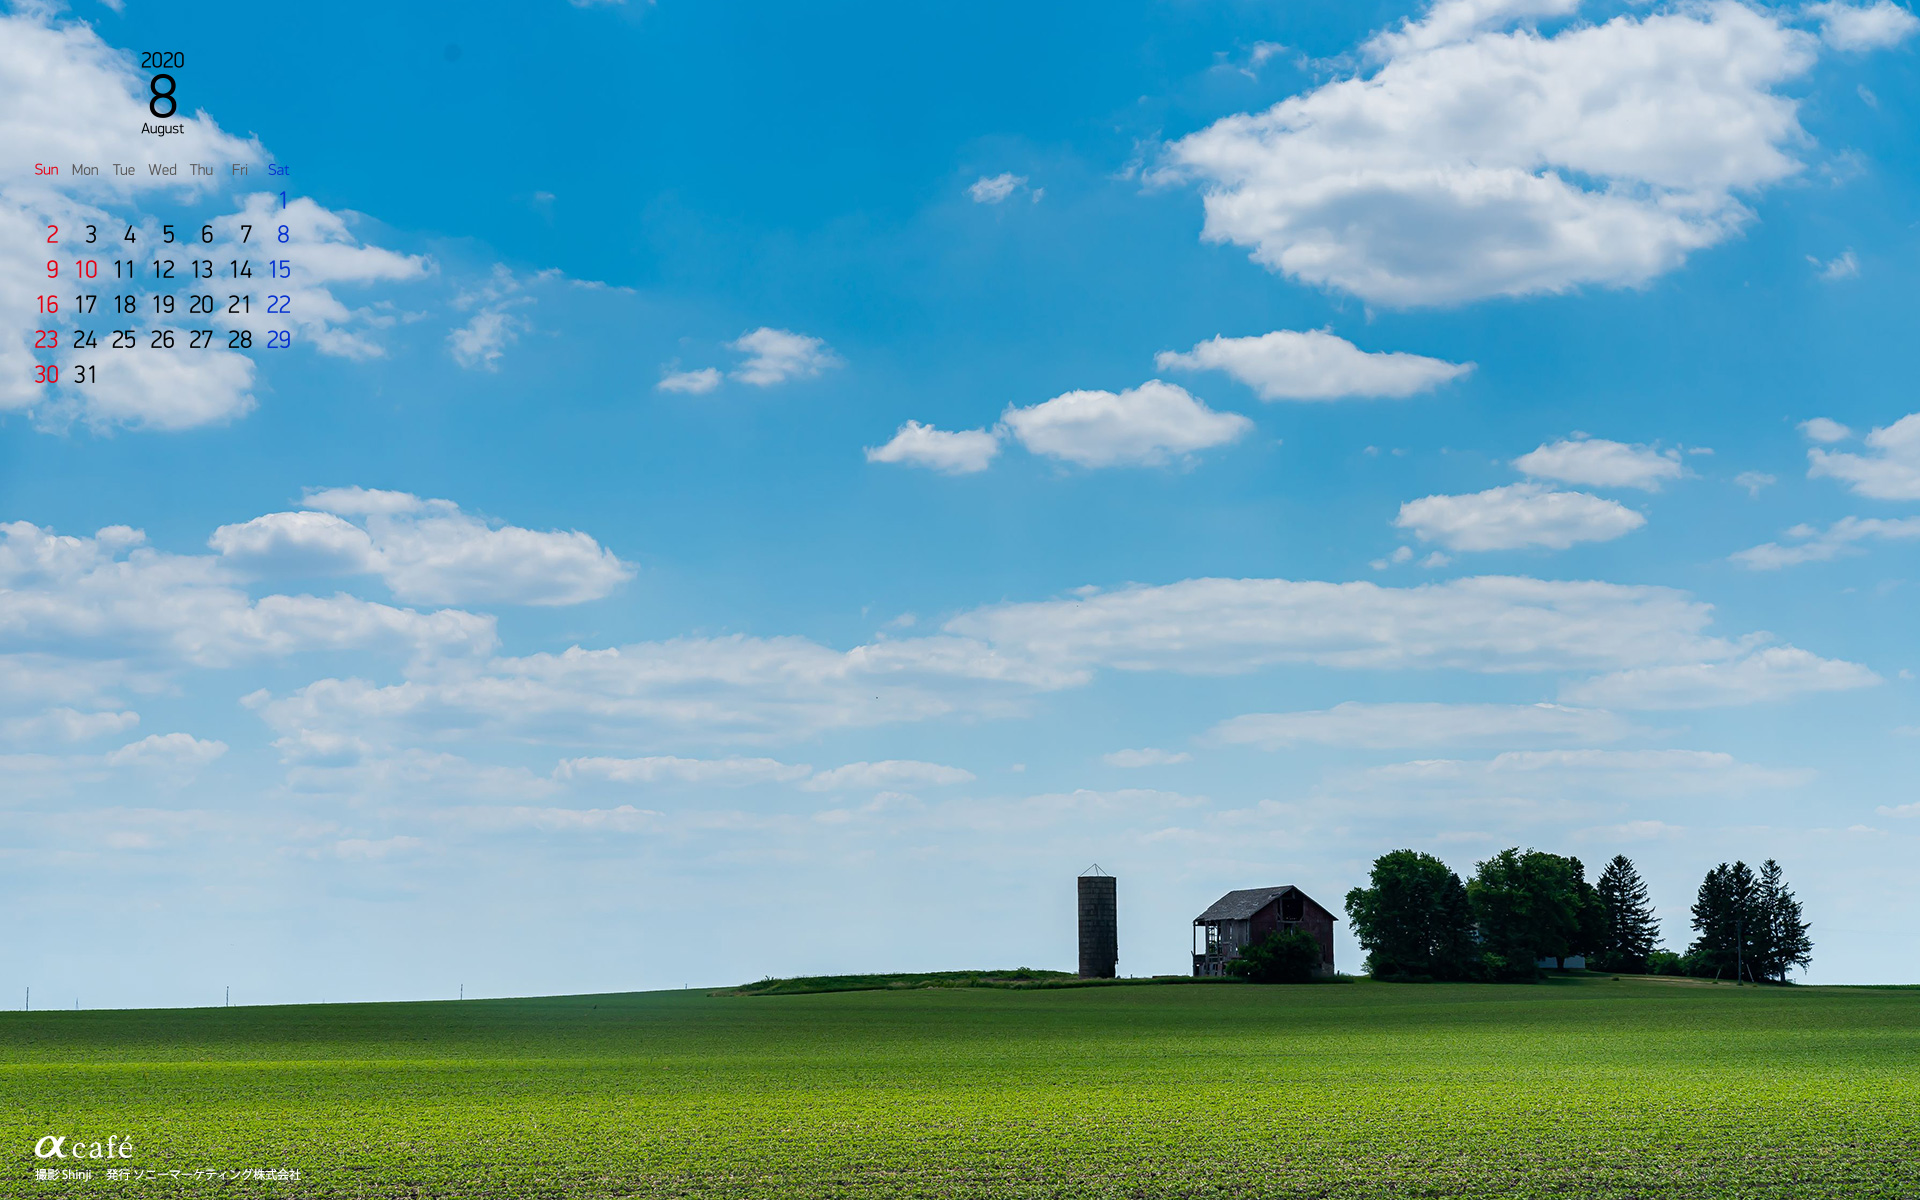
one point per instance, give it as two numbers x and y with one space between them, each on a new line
1140 426
167 752
1813 545
892 773
1482 160
427 551
1517 516
1889 470
777 355
1597 462
692 383
1825 431
1389 726
961 452
1863 26
296 543
1314 365
992 189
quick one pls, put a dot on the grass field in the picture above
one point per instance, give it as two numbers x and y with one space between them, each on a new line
1579 1087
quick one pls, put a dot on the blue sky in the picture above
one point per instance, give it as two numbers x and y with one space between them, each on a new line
772 491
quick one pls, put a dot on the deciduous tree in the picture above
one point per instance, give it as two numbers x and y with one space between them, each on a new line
1414 919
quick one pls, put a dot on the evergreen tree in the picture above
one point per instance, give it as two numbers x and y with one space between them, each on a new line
1632 930
1414 919
1731 921
1785 944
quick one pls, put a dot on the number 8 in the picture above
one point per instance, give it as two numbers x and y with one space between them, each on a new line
153 105
283 233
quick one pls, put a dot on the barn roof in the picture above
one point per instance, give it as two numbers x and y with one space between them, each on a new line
1238 906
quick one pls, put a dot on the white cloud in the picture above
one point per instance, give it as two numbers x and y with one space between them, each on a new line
1144 425
1386 726
444 556
692 383
993 661
1454 20
992 189
1148 757
361 502
484 338
427 551
777 355
296 543
1314 365
167 752
892 773
1229 626
1478 162
1597 462
66 725
1550 775
1771 673
1863 26
623 819
496 322
1753 481
709 772
108 598
1517 516
1842 537
956 453
1846 266
1825 430
162 392
1890 470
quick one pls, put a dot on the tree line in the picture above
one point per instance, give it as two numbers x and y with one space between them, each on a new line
1419 920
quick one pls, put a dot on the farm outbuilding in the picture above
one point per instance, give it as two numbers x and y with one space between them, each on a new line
1243 918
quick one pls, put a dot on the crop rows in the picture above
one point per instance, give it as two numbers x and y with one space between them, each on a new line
1591 1088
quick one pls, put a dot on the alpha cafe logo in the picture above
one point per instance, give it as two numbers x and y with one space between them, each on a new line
55 1146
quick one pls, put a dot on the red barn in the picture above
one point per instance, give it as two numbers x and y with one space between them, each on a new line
1243 918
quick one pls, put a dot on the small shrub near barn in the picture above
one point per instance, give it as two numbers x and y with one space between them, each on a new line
1287 956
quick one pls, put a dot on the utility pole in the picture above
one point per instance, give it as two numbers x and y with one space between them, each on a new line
229 995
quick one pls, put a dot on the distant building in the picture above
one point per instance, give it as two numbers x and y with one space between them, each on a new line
1099 924
1575 962
1240 919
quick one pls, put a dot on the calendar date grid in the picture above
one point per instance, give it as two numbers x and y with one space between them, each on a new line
164 287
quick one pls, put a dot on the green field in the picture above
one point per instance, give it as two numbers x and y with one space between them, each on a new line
1577 1087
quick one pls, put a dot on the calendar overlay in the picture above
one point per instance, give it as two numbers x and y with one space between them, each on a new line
113 287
